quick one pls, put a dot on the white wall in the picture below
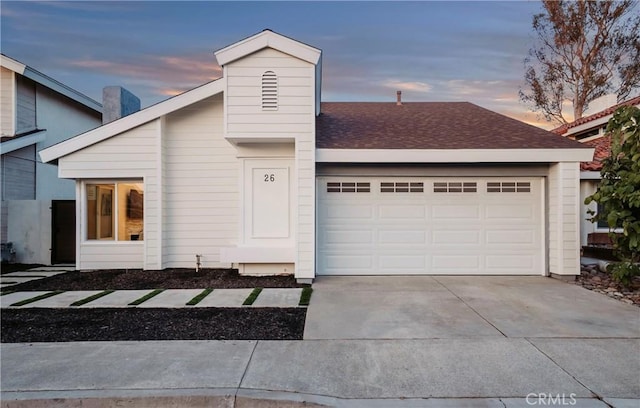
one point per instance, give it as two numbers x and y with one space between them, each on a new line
29 228
7 102
131 155
200 186
63 119
564 218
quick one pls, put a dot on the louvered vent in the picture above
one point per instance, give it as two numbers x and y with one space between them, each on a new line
269 91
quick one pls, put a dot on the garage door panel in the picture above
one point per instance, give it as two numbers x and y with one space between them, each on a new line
455 212
497 232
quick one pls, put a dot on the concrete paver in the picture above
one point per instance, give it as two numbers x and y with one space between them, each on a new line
278 298
34 273
11 298
64 299
225 298
119 298
18 279
171 298
602 365
441 368
57 268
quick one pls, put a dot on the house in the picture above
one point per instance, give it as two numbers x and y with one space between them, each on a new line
253 171
38 208
590 130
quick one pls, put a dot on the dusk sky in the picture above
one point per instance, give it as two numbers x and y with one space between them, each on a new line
432 51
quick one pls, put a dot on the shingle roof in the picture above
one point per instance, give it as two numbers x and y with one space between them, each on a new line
560 130
427 125
603 150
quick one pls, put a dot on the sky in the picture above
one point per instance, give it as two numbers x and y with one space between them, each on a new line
430 50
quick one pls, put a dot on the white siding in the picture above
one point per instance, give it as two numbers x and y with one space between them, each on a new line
130 155
7 102
200 186
564 215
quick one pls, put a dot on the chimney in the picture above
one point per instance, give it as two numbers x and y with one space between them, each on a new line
399 95
117 103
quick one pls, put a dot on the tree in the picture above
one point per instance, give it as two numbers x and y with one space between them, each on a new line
584 50
619 191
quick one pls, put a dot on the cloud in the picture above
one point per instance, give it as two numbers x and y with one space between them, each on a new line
414 86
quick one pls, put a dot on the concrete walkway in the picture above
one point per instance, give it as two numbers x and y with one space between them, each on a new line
14 278
169 298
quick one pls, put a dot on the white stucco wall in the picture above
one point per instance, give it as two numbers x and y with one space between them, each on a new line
29 228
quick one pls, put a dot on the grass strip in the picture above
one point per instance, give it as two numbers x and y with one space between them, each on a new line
146 297
305 296
199 297
92 298
35 299
7 291
252 297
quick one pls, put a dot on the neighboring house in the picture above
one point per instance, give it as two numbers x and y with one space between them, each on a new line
590 130
252 171
38 208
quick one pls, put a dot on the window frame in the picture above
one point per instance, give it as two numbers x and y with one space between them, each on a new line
115 208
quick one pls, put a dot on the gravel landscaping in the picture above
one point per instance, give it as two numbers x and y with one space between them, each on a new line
592 278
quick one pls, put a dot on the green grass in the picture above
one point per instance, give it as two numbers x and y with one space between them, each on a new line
35 299
199 297
92 298
252 297
305 296
146 297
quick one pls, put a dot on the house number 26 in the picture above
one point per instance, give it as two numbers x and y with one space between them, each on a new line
269 178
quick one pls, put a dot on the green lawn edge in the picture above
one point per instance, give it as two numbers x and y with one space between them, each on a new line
196 299
252 297
146 297
92 298
305 296
36 298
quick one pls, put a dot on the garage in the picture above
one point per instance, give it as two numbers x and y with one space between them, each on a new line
430 226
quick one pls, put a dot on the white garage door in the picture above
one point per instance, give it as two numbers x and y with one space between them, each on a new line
433 226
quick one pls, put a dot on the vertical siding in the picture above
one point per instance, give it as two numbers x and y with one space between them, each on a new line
18 174
200 186
25 104
130 155
7 102
564 219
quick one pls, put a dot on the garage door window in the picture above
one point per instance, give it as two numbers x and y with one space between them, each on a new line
348 187
508 187
455 187
401 187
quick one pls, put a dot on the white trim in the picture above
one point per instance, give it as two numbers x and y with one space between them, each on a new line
258 254
11 64
590 175
22 141
266 39
129 122
160 193
453 155
80 208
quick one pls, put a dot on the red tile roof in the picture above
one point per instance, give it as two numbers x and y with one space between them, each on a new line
427 125
603 150
560 130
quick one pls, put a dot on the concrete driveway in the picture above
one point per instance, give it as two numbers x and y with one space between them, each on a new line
424 307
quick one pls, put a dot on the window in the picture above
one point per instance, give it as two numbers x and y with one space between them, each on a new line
348 187
401 187
508 187
601 223
455 187
269 91
115 211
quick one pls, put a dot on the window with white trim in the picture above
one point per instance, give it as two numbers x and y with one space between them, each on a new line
348 187
455 187
269 91
115 211
401 187
508 187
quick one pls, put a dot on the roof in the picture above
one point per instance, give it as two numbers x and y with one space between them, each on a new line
602 147
9 144
44 80
427 125
561 130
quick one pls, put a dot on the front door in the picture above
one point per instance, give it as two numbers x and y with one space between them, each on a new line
63 249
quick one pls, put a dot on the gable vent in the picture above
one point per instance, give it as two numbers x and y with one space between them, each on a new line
269 91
